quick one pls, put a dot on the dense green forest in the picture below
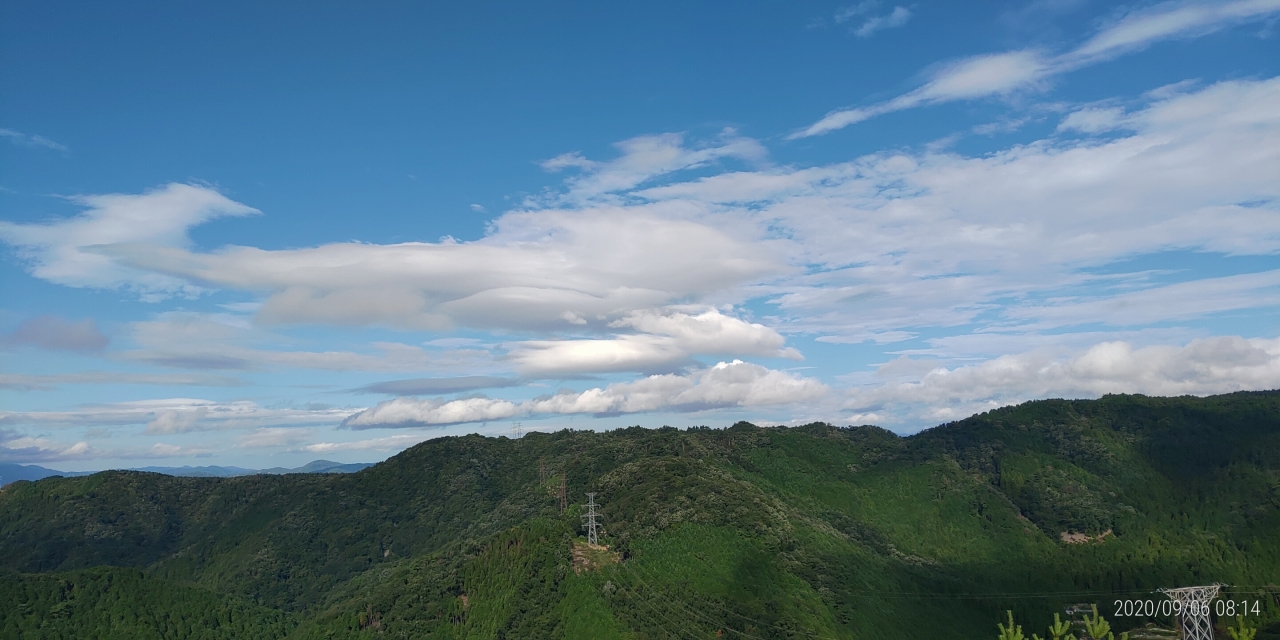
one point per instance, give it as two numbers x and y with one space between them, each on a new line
745 532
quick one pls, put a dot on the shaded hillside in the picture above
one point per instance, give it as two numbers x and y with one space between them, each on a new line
814 531
124 604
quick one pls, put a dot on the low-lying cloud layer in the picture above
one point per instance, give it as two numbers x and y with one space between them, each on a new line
727 384
178 415
1202 367
664 340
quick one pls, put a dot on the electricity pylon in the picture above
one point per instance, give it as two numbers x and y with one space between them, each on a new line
591 524
1193 610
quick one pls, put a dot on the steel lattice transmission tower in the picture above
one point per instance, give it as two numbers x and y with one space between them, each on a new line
1194 610
590 517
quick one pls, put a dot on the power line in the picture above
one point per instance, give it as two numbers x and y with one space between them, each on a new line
938 596
676 602
690 612
746 618
631 594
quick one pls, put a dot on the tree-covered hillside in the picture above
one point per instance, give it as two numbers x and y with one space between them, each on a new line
807 532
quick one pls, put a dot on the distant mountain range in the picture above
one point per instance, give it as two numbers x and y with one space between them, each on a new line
10 472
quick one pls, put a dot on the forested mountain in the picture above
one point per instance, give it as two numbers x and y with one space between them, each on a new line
748 532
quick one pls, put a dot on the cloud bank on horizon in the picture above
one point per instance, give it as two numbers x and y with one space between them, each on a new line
1128 246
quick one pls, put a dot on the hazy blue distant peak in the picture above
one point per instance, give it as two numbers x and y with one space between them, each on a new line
14 472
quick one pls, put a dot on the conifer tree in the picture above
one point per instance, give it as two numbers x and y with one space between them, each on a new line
1058 630
1240 631
1011 632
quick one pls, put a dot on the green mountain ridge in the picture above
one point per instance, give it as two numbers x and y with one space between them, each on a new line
805 532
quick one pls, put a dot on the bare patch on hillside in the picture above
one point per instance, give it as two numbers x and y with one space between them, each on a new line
589 557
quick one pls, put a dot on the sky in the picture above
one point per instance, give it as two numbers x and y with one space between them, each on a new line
259 234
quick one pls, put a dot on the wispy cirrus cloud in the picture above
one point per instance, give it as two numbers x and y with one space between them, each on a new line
30 140
1002 73
869 23
179 415
225 342
47 382
898 17
435 386
644 158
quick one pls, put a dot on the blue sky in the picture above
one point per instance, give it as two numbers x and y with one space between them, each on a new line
259 235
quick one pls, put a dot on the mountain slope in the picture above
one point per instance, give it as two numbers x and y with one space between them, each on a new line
813 531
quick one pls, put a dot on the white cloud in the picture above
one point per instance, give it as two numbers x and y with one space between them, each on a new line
646 157
668 339
623 353
974 77
165 450
1142 27
387 443
1093 120
887 247
179 415
66 251
226 342
46 382
415 412
879 248
905 242
896 18
1202 367
178 420
29 449
727 384
845 14
274 437
530 271
1001 73
1170 302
